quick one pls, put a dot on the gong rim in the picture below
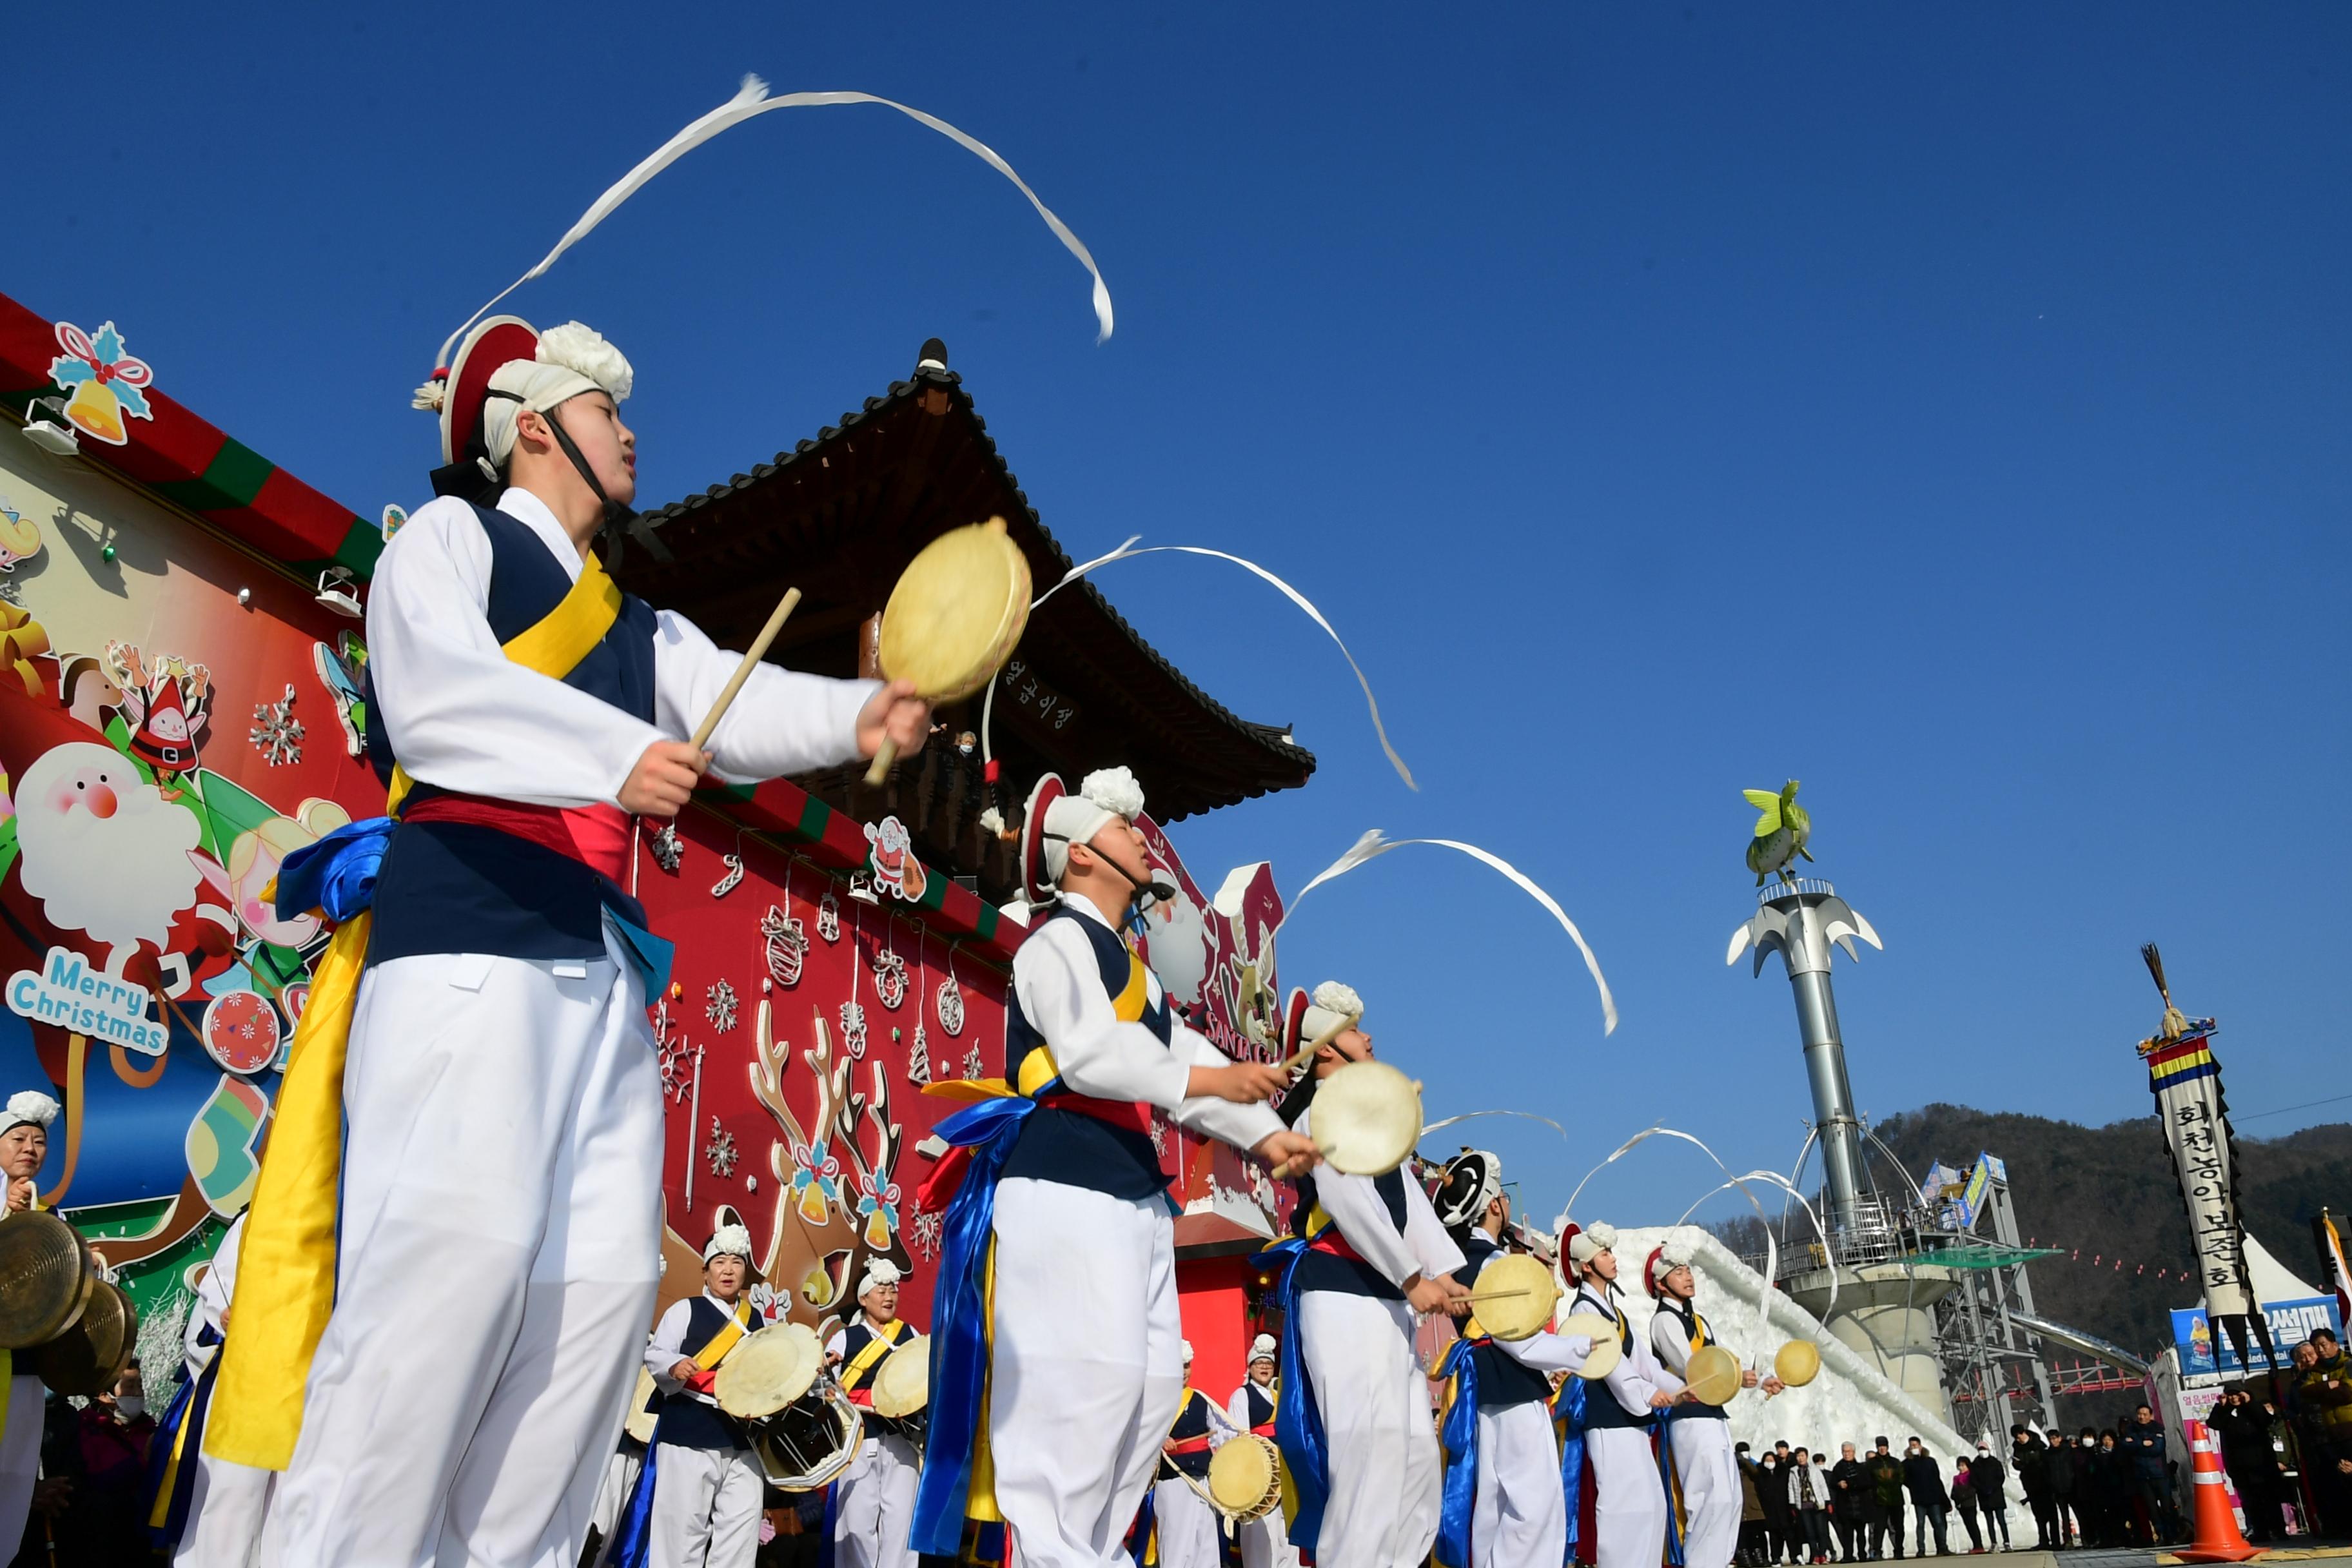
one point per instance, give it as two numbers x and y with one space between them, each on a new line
1365 1118
47 1274
88 1358
937 632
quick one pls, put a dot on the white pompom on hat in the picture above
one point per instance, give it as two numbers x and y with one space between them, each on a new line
1262 1348
1591 1242
1333 1006
1188 1353
729 1241
879 1271
570 360
1679 1247
29 1107
1056 818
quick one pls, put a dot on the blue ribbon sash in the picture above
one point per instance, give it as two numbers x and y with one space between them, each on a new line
633 1535
1458 1504
1298 1419
959 1323
1568 1412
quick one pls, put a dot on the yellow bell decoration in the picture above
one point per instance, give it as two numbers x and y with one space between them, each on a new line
95 411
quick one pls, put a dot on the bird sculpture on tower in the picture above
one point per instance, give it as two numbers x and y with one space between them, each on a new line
1780 833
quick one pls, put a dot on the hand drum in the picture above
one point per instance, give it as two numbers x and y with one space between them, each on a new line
954 618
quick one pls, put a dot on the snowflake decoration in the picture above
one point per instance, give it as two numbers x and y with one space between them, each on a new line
828 917
853 1031
718 1005
924 1233
667 847
971 1062
889 979
919 1061
787 941
721 1149
277 734
949 1002
726 884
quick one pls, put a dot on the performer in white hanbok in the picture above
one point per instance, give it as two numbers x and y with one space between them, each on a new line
1519 1513
500 1120
1630 1512
23 1148
874 1502
1701 1433
1368 1255
208 1510
1060 1216
1264 1541
1189 1536
707 1484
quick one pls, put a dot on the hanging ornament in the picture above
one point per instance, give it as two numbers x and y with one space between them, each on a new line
726 884
828 917
718 1005
853 1031
668 850
672 1054
950 1000
924 1233
919 1061
787 942
889 979
971 1062
277 734
721 1149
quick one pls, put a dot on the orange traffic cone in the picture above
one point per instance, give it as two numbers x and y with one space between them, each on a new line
2219 1539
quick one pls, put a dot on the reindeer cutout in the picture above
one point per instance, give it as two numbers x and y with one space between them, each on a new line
827 1220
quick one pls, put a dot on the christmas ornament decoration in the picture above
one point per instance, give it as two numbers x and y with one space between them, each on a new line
786 941
718 1005
107 382
277 734
919 1059
828 917
853 1031
726 884
720 1151
668 850
889 979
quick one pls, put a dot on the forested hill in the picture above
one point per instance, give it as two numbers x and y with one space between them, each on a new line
2106 1196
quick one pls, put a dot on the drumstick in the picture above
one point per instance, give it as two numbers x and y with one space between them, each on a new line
752 658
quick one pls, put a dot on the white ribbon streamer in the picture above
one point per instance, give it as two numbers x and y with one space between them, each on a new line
1128 551
752 100
1373 845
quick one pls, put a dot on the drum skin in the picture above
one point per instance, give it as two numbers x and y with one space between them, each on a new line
767 1371
902 1386
957 612
1798 1362
1515 1297
1366 1119
1245 1477
1606 1350
1713 1375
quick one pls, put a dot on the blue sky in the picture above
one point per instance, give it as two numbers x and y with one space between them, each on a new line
1945 406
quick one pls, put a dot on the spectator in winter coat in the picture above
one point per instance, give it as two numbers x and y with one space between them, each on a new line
1772 1492
2029 1456
2142 1441
1809 1504
102 1522
1924 1479
1964 1498
1853 1487
1752 1535
1986 1475
1885 1509
2244 1428
2063 1458
2323 1408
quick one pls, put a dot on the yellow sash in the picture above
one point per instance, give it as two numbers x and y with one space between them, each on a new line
725 1339
286 1277
863 1364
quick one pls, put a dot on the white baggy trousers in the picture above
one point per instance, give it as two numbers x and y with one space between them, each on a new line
227 1503
1188 1536
1521 1515
874 1507
1712 1499
500 1243
706 1511
1629 1511
1380 1432
1087 1369
1265 1544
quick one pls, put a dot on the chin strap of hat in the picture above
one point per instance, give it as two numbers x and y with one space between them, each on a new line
618 519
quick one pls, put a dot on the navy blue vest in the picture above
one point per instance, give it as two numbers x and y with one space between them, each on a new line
1602 1409
686 1422
1069 1146
1502 1382
855 1338
1689 1323
1191 1423
1260 1407
451 887
1322 1271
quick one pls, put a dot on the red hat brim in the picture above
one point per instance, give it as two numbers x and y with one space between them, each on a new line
1294 1021
492 345
1035 885
1650 1269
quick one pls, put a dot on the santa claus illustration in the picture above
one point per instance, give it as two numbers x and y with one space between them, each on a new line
103 850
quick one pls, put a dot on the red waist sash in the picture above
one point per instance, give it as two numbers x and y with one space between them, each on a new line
597 837
1264 1431
939 1187
1188 1446
1331 1243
